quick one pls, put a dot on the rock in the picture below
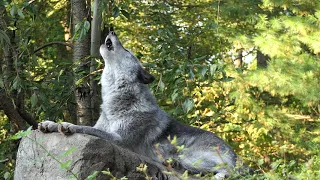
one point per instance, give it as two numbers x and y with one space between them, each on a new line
81 154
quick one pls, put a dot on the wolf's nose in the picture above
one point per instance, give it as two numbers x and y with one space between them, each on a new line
112 33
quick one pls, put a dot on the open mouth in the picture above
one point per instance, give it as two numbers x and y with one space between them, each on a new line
109 44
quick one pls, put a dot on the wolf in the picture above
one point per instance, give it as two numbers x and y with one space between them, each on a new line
131 118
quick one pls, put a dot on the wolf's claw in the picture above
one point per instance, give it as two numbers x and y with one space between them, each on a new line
47 126
66 128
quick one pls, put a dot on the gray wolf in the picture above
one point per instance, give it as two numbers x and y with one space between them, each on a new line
131 118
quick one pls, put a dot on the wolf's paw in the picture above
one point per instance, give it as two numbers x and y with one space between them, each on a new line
48 126
66 128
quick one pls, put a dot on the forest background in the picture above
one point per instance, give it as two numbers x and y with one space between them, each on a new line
246 70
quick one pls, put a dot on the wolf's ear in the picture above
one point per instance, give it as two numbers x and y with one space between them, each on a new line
144 77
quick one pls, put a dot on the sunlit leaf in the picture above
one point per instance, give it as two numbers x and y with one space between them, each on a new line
69 151
12 28
93 175
66 164
21 134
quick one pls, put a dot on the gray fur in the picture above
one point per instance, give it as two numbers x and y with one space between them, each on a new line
132 119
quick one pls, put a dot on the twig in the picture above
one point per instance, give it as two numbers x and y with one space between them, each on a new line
4 160
180 5
52 43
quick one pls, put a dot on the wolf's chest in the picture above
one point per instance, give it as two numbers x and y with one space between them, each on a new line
116 127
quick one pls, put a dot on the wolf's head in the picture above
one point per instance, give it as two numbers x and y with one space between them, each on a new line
123 63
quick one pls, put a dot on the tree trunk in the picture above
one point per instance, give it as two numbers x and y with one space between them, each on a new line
94 52
262 60
80 54
11 101
10 110
239 61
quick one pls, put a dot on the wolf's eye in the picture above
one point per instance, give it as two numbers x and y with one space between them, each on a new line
109 44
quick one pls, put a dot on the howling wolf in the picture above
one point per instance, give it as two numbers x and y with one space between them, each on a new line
131 118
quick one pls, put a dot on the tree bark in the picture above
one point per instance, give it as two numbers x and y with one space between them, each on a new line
239 61
11 111
262 60
80 54
94 52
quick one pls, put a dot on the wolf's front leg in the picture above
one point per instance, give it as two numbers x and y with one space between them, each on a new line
69 128
64 127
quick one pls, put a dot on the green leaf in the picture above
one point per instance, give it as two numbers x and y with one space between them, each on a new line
21 134
34 100
174 96
180 148
69 151
3 3
115 12
174 140
16 83
107 172
12 28
13 10
93 175
260 162
20 13
86 26
125 14
187 105
204 71
232 127
200 58
6 175
161 85
185 175
191 74
213 69
81 30
275 165
66 164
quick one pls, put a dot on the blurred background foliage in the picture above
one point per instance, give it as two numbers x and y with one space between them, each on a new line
247 70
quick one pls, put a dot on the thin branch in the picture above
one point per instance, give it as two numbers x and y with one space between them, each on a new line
30 2
52 43
4 160
180 5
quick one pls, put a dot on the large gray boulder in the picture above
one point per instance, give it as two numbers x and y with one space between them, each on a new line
39 153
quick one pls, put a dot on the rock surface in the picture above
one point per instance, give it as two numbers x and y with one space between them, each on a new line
38 154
